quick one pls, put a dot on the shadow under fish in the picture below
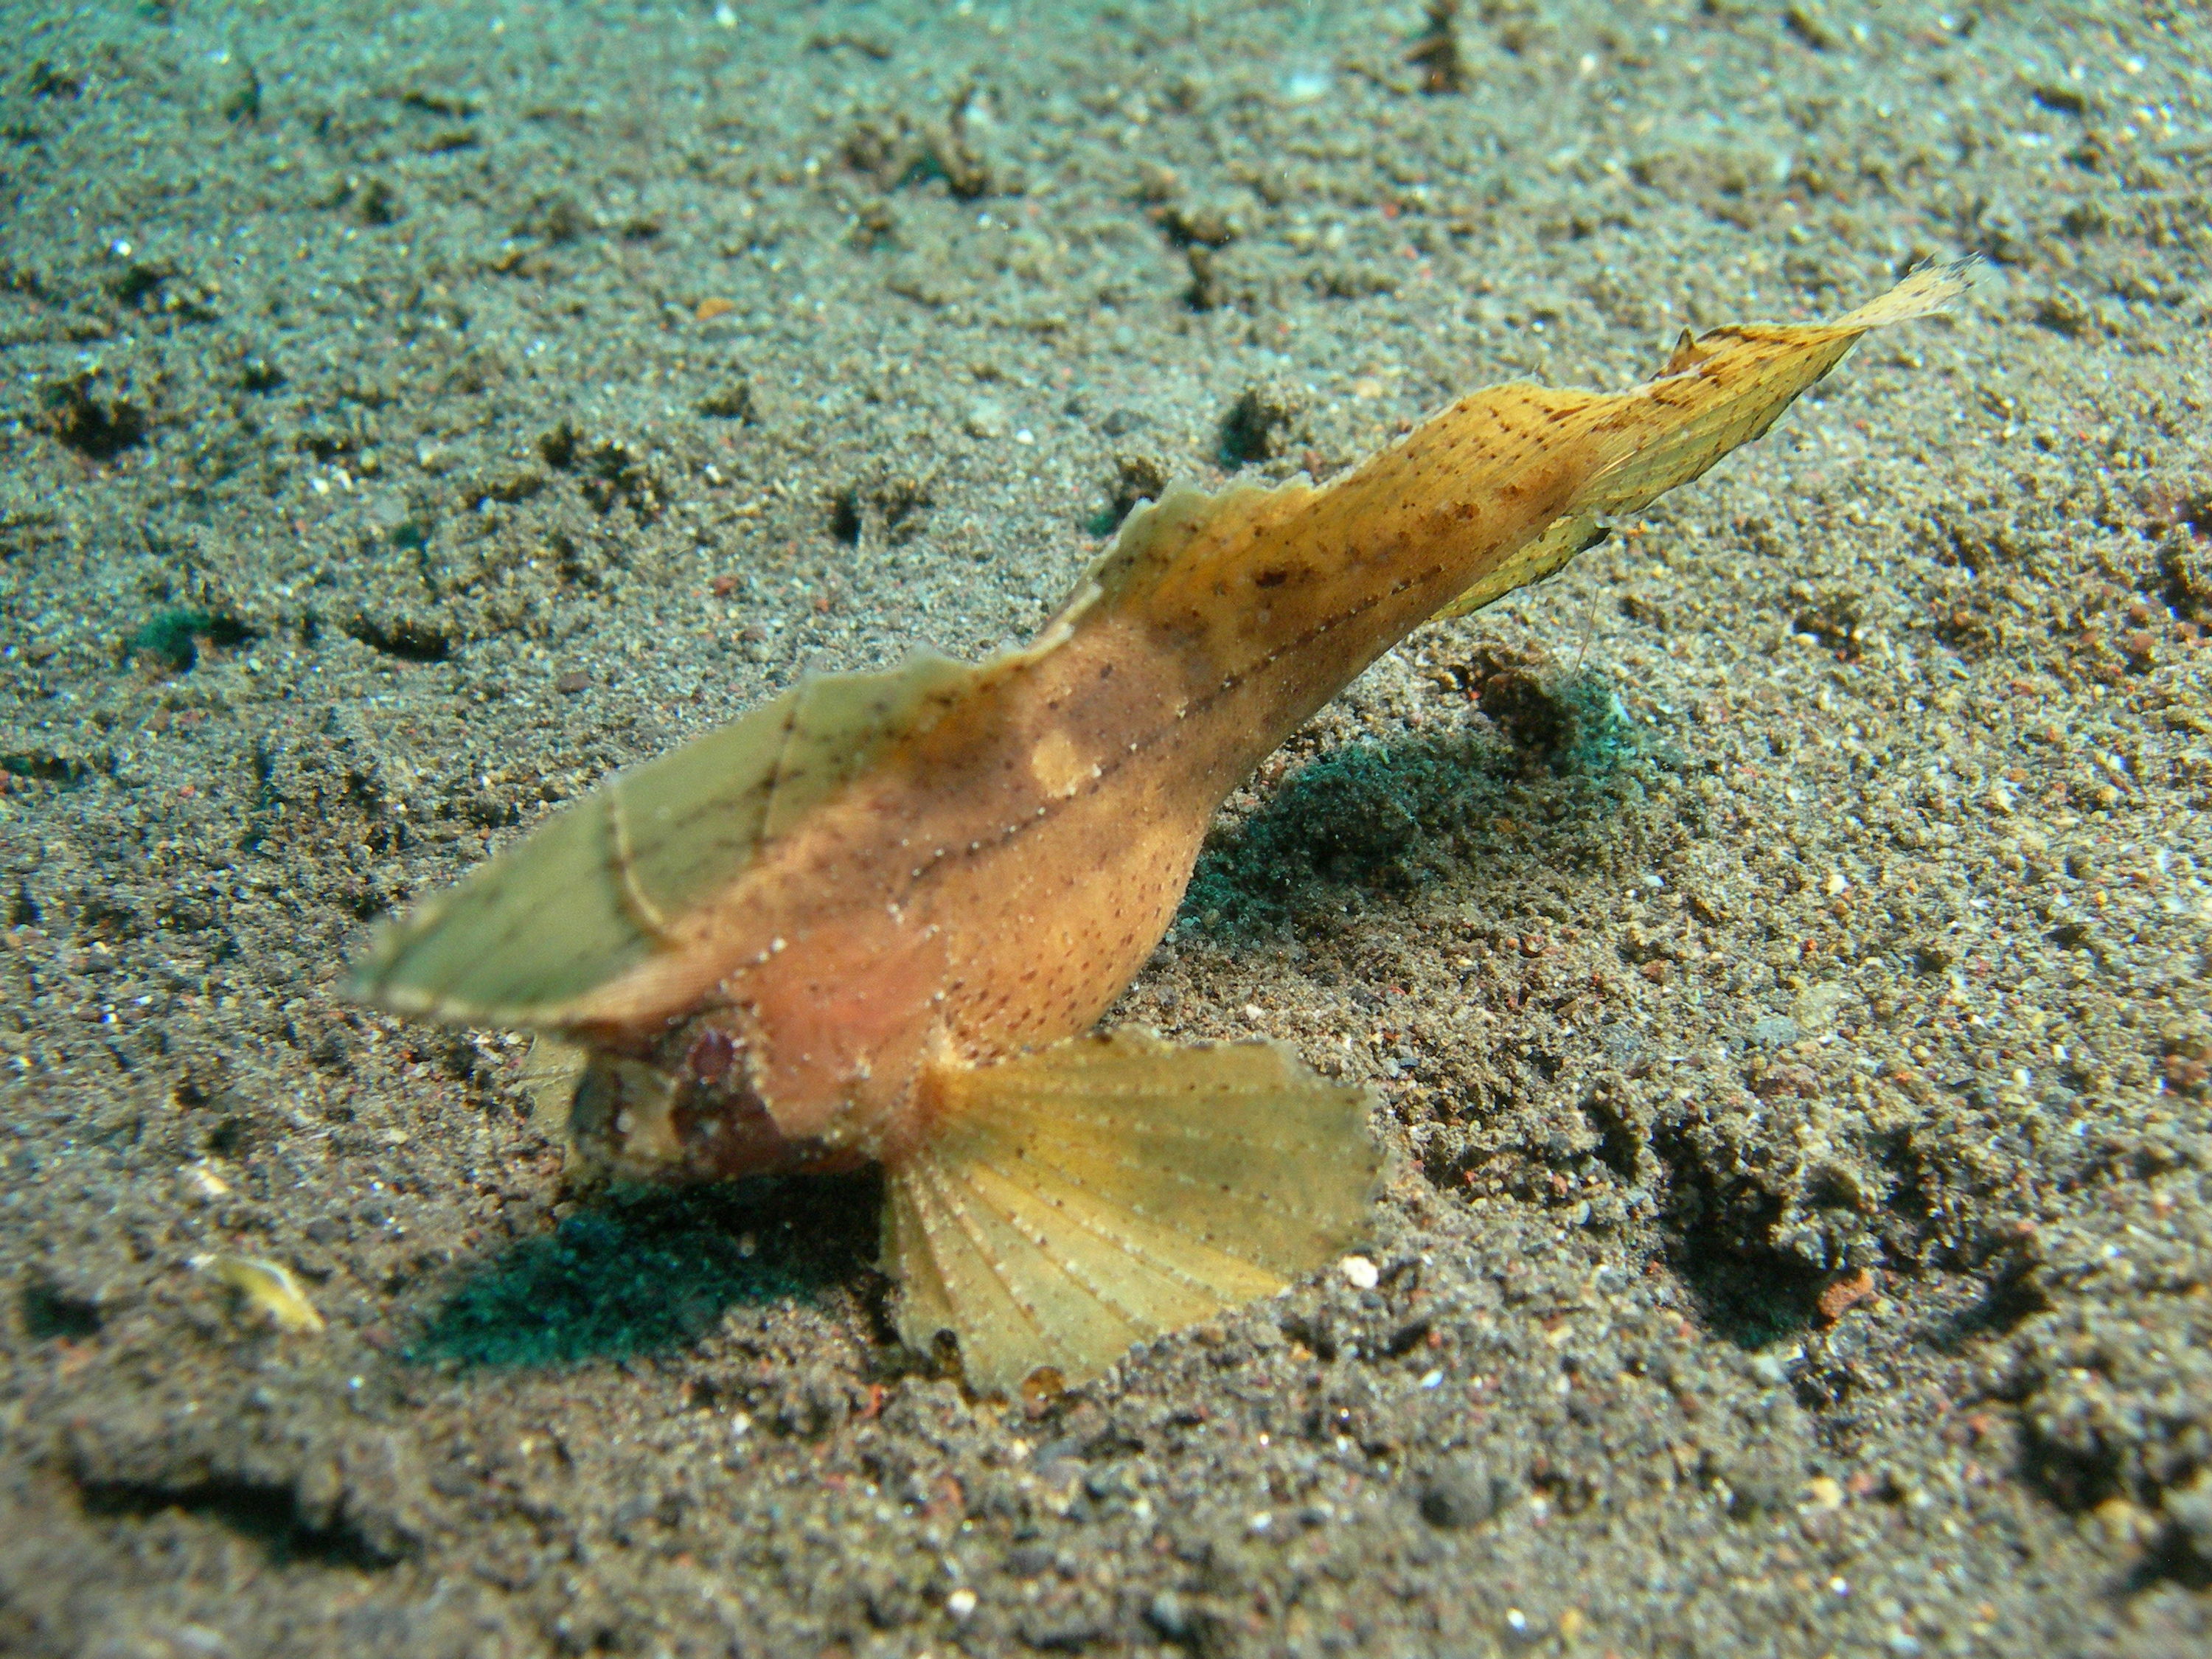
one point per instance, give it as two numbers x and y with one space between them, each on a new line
647 1270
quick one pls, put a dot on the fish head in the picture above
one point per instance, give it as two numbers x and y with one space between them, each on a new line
689 1111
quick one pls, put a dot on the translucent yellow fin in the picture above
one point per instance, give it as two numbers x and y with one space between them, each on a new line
1071 1202
1530 562
527 937
1719 391
1736 385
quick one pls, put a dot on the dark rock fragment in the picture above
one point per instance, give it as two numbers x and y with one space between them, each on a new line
1462 1492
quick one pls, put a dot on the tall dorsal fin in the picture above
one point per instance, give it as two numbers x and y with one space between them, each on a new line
528 935
1180 536
1719 390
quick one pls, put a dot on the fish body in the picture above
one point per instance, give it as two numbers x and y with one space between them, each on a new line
874 920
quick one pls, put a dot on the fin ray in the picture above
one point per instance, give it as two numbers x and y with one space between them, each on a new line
550 1070
1719 391
1112 1188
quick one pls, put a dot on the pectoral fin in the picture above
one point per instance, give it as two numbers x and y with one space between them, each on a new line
1111 1188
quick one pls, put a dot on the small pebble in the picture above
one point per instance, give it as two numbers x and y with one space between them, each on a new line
961 1602
1359 1272
1846 1293
573 681
1816 1007
205 1182
1170 1616
986 418
1460 1492
1776 1031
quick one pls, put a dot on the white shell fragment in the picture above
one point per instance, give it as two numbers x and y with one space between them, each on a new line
267 1286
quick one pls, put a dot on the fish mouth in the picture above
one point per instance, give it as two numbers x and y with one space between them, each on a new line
630 1120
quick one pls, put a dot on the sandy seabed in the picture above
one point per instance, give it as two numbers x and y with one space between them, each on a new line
1777 946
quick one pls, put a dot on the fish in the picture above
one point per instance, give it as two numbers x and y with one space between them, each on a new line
877 918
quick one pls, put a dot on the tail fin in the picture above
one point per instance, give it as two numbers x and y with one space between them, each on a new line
1483 463
1111 1188
1718 391
1729 385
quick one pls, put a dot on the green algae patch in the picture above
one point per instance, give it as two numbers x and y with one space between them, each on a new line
172 639
46 766
1601 733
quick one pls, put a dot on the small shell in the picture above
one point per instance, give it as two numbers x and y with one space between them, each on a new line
268 1286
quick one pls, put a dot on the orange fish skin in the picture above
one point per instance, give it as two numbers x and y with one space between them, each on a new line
998 877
